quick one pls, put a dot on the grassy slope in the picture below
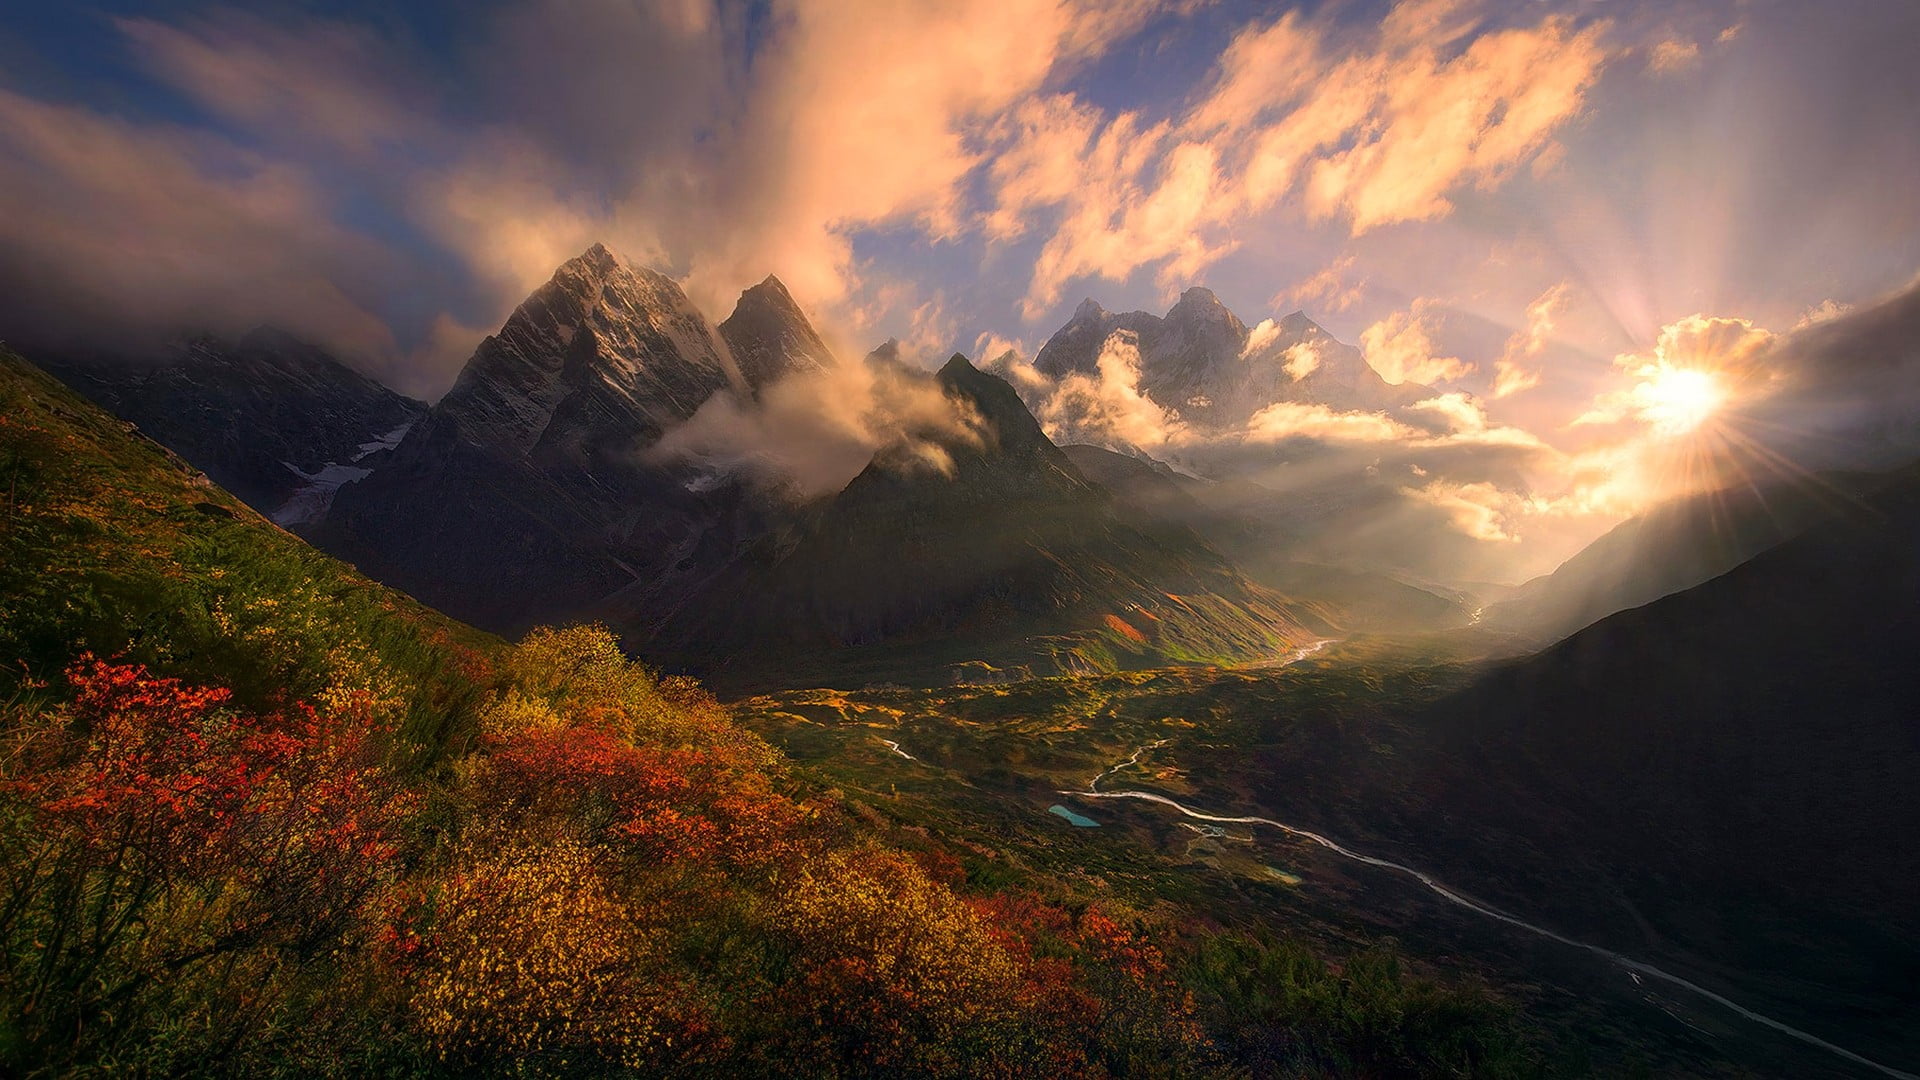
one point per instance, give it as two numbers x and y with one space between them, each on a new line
112 545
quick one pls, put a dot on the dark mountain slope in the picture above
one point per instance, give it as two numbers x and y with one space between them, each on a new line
993 550
1674 546
262 416
1728 777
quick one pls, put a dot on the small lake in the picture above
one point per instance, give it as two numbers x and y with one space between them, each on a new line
1078 821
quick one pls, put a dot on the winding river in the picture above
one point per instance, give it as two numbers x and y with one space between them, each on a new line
1455 897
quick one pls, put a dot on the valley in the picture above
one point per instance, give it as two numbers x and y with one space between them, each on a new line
999 765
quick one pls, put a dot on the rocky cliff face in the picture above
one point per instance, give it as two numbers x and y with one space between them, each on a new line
602 354
1201 361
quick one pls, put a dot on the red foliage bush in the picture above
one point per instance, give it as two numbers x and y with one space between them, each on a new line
664 805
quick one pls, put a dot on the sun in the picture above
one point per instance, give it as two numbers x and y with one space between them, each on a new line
1677 400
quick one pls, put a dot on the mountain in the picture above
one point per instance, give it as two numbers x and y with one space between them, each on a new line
1152 492
973 553
1672 547
770 337
525 495
1726 776
278 422
1201 361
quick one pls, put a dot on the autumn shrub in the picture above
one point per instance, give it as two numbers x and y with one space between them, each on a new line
657 805
876 969
524 951
155 835
581 672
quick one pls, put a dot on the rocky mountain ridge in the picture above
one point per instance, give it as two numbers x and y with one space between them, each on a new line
1203 363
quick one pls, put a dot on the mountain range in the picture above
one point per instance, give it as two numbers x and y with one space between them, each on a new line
528 495
992 539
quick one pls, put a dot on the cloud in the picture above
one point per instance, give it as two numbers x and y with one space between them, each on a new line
1481 511
1673 55
1697 365
1825 311
1366 132
329 81
1400 347
1262 335
640 125
1457 410
1517 369
1290 419
132 229
1303 359
1327 290
809 434
1107 408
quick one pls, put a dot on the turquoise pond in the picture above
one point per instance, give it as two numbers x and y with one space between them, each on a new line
1078 821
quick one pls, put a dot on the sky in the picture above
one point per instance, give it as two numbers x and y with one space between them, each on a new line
1533 206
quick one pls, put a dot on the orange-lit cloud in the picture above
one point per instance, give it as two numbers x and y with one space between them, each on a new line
1517 369
1290 419
1400 347
1369 134
1693 359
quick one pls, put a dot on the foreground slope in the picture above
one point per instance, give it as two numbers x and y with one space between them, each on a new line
111 543
965 555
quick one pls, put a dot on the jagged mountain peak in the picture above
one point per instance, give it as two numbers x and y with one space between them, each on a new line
1297 323
772 286
604 352
1196 360
995 399
770 337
